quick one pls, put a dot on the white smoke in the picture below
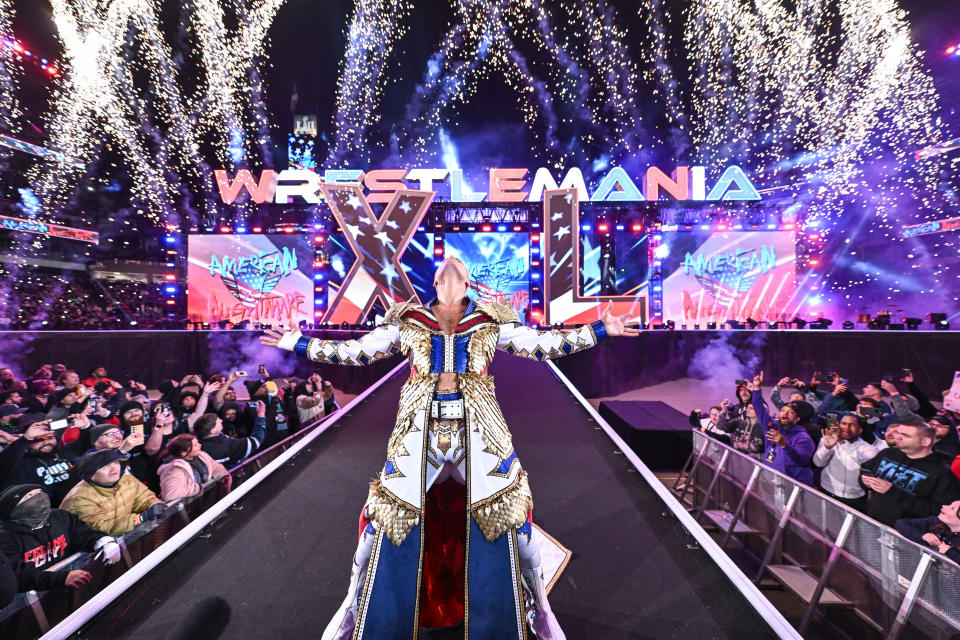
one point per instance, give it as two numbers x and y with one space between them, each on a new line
242 351
720 363
15 350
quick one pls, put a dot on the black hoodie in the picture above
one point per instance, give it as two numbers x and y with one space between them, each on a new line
50 471
32 550
920 486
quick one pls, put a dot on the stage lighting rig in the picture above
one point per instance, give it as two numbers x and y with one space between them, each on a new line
912 323
936 318
821 323
799 322
752 323
848 325
734 324
880 322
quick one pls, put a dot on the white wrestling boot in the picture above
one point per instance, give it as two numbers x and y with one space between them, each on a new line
342 624
541 619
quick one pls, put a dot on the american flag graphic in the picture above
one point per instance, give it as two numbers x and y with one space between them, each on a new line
250 287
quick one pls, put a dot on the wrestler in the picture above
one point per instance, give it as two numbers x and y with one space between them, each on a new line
448 427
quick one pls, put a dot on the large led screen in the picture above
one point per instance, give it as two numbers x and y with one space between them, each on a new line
261 278
620 270
499 264
716 276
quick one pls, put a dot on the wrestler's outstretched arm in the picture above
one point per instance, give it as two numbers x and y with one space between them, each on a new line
382 342
527 342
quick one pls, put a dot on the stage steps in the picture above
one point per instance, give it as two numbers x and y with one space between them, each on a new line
722 519
804 585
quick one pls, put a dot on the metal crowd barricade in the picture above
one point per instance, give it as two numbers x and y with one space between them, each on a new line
33 613
850 569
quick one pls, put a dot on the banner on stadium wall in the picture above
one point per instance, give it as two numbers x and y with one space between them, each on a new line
47 229
715 276
260 278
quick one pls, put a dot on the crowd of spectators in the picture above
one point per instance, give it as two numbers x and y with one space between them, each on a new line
40 300
888 452
84 459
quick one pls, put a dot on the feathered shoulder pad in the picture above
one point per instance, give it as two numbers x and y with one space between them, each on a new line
396 312
501 313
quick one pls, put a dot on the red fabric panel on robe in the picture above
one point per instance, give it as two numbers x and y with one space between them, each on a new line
441 591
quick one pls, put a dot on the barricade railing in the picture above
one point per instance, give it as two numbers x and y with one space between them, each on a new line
32 613
849 569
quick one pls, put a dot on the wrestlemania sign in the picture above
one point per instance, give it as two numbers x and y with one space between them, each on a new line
684 183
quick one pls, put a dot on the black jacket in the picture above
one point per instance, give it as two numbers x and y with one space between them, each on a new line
32 550
51 472
949 447
231 451
925 408
920 486
915 528
8 581
278 420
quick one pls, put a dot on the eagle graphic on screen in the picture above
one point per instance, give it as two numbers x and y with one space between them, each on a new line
249 286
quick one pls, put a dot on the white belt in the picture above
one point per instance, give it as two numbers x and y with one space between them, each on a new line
447 409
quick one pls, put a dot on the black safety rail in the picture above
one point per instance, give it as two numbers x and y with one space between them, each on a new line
33 613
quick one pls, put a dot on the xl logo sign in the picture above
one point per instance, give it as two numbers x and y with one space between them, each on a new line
378 244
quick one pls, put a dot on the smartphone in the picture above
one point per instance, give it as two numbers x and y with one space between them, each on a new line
832 421
844 380
262 370
905 372
241 374
740 383
888 378
867 472
61 424
136 428
94 403
163 407
869 412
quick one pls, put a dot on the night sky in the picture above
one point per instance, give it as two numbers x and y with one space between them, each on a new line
307 42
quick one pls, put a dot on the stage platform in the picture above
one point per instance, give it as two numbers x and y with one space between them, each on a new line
657 432
282 562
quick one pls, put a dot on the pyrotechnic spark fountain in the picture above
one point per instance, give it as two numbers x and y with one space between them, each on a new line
824 101
595 91
157 130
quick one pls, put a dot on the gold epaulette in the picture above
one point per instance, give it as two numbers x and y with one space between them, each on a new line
502 313
396 311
